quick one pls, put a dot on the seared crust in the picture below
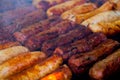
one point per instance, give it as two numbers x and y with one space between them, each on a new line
11 52
60 8
63 73
80 63
80 9
106 67
19 63
39 70
9 44
82 17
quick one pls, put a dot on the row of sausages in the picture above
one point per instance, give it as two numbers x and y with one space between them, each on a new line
84 12
19 63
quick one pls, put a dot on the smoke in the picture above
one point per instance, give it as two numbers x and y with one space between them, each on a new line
12 4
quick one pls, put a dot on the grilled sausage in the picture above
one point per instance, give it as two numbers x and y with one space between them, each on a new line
33 29
106 67
80 9
45 4
82 17
116 4
11 52
60 8
9 44
19 63
76 34
100 25
83 45
63 73
39 70
81 63
35 42
108 16
108 28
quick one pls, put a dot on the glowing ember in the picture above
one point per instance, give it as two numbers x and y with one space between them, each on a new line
54 76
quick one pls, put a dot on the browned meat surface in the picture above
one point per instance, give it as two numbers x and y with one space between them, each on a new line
9 44
84 45
80 63
39 70
63 73
60 8
46 24
25 21
45 4
106 67
76 34
36 41
19 63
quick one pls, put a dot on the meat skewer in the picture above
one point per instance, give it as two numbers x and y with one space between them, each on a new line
84 45
39 70
106 67
63 73
20 63
46 24
11 52
81 63
35 42
76 34
9 44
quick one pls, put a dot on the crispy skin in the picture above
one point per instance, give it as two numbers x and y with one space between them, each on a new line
84 45
39 70
25 21
81 63
60 8
33 29
45 4
11 52
20 63
80 9
108 16
36 41
105 23
109 28
76 34
106 67
116 4
63 73
9 44
8 17
82 17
